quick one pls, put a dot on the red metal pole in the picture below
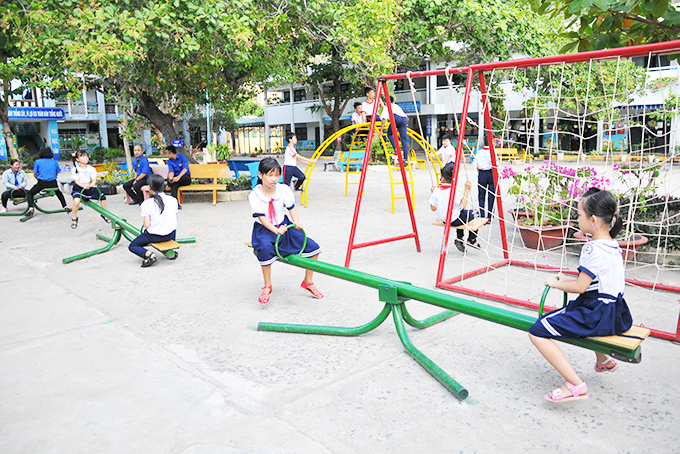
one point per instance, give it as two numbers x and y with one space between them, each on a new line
362 180
397 146
631 51
459 153
386 240
494 164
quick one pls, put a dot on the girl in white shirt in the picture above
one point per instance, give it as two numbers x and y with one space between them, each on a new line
267 201
160 220
84 186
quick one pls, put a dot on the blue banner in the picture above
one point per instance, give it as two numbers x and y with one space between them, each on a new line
408 107
178 143
3 146
36 113
53 138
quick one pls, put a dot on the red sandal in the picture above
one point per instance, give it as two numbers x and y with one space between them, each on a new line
264 296
314 291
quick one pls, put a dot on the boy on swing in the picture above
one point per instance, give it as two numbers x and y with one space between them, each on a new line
439 202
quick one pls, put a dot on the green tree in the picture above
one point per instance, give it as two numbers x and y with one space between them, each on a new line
602 24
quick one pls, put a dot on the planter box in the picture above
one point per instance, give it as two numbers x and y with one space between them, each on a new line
543 237
629 246
108 189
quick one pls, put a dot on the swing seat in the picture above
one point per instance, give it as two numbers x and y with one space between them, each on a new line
473 225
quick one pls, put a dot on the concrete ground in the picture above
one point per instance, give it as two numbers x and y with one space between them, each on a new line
102 356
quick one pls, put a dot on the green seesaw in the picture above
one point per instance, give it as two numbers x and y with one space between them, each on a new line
395 294
122 228
45 193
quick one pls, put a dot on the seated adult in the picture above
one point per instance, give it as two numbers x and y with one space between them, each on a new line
133 187
46 169
14 181
178 170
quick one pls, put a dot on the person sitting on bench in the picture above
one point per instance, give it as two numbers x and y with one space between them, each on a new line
439 202
14 179
160 220
133 187
178 170
46 169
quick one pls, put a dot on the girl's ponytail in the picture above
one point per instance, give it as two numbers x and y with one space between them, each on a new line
616 225
157 184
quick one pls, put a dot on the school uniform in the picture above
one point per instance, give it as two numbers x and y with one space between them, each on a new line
175 166
440 200
85 176
401 123
356 118
263 239
290 168
486 188
46 171
601 309
10 180
367 108
447 155
134 188
163 226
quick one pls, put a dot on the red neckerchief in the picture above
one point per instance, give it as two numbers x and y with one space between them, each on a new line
444 186
272 212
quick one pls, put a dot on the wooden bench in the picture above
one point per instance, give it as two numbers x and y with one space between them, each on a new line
356 159
168 248
473 225
211 171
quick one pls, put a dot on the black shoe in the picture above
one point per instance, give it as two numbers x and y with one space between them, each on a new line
30 213
459 245
134 202
148 261
474 244
179 207
67 209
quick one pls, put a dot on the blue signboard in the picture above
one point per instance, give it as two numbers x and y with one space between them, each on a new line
408 107
53 138
3 146
35 113
178 143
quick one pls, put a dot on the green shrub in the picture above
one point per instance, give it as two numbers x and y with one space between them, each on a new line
241 183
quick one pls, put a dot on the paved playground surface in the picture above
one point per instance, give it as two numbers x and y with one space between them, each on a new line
103 356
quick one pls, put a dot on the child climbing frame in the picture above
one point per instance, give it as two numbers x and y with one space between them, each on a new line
600 106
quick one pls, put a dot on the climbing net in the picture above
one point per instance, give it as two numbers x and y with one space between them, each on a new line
558 126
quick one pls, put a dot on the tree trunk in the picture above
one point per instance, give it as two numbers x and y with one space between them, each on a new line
164 122
4 119
126 145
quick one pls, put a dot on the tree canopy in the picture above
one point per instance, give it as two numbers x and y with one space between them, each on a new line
602 24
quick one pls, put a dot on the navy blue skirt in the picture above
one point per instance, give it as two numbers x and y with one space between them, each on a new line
290 243
591 314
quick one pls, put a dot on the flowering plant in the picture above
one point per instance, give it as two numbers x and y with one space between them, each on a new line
638 181
545 193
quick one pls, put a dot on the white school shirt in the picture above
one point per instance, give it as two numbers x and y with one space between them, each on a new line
397 111
289 157
367 108
447 154
161 223
440 200
259 203
356 118
602 260
483 159
86 176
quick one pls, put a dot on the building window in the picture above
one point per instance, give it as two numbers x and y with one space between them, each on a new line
654 61
299 95
246 134
442 81
286 96
301 133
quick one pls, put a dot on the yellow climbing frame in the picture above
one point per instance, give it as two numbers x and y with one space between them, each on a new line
350 158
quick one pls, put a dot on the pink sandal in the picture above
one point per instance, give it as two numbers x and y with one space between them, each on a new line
314 291
608 366
264 296
578 393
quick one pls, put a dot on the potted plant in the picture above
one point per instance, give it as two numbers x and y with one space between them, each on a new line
545 195
114 176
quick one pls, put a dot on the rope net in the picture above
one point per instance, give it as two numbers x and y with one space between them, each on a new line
557 131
